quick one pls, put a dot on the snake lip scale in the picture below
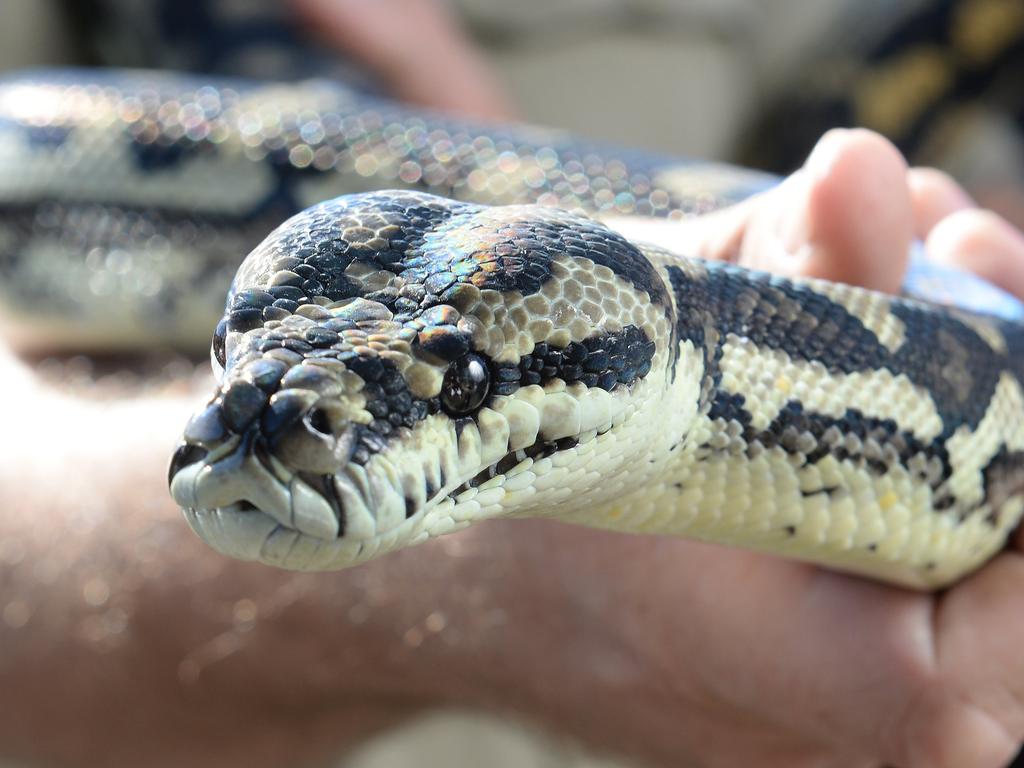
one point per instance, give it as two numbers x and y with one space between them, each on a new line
395 365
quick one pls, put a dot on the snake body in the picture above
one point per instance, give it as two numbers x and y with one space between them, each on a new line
128 197
394 365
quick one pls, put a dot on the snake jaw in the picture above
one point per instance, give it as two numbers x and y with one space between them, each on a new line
249 505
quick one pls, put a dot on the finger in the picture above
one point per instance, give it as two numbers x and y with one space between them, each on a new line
981 242
416 48
979 632
934 195
713 236
846 216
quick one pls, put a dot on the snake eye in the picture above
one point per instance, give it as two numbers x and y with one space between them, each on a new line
218 352
465 385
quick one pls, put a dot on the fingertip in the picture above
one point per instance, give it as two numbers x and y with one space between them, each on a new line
417 50
961 735
845 216
857 225
978 629
983 243
934 195
857 155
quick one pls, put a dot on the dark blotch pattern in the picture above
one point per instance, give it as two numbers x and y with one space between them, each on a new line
874 445
1003 478
941 354
212 241
380 230
47 136
390 402
517 255
435 245
602 361
776 314
242 403
445 342
162 152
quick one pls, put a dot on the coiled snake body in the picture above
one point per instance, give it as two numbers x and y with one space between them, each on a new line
396 365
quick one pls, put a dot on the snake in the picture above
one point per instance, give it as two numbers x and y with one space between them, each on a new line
445 330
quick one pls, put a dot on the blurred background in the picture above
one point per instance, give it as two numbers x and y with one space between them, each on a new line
748 81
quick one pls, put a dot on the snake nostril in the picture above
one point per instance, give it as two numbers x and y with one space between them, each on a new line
185 454
320 421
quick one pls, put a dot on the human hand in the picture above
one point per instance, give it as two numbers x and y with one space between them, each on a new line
680 653
727 658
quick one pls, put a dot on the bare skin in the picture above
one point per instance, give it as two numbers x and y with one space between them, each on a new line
125 641
416 49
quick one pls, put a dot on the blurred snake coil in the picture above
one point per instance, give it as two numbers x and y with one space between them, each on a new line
442 331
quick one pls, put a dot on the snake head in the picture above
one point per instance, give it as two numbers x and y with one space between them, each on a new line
395 365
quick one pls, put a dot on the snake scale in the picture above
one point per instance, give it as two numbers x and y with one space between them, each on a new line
458 337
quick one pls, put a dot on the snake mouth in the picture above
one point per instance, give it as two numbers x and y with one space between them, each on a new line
240 477
246 502
237 530
244 532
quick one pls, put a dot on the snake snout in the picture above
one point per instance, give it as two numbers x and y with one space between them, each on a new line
316 440
238 483
185 455
268 466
